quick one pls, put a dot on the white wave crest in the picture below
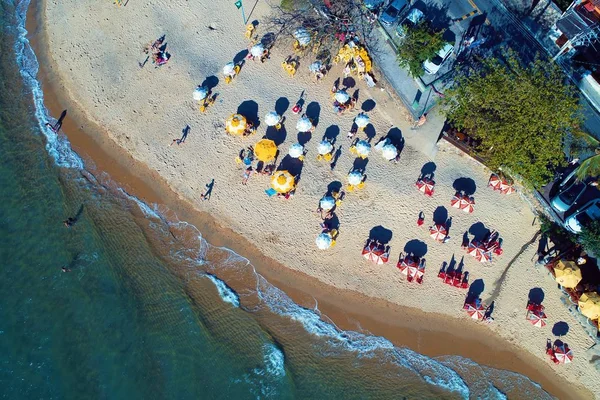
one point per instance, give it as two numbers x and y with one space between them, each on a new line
226 293
58 146
274 360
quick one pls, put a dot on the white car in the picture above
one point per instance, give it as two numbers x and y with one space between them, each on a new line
433 66
583 216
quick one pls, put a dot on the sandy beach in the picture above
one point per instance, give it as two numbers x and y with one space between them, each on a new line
92 51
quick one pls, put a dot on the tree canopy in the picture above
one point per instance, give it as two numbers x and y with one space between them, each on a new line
419 44
520 114
590 238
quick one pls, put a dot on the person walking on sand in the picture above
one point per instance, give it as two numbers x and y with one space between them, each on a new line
209 188
247 174
184 134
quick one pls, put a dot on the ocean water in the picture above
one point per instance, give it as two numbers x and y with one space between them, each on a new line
150 310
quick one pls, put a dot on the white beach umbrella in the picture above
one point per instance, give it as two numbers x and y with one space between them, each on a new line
229 69
325 147
302 36
324 241
200 93
361 120
327 203
363 148
315 67
389 151
342 96
304 125
257 50
354 178
296 150
272 118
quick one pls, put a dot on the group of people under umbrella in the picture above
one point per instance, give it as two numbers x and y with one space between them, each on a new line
500 184
568 275
483 249
463 202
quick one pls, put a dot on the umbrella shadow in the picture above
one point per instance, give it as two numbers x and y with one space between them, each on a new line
368 105
381 234
440 215
465 185
336 157
360 164
428 170
292 165
210 82
278 136
332 222
241 56
281 105
370 132
560 328
479 231
416 247
334 187
331 133
249 109
313 112
475 290
304 137
536 296
348 82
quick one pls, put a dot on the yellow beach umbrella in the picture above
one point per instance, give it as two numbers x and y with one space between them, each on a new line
589 305
265 150
567 274
283 181
236 124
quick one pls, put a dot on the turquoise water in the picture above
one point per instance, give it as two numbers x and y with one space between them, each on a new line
149 310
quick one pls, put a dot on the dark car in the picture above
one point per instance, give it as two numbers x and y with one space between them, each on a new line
392 12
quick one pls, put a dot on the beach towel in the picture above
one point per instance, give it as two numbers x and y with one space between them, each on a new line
271 192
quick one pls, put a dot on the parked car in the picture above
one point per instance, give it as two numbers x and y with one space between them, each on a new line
392 12
584 216
570 190
373 4
412 19
433 66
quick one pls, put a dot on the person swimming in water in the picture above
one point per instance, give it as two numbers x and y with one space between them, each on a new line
69 222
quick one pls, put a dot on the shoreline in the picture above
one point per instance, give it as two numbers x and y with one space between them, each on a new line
347 309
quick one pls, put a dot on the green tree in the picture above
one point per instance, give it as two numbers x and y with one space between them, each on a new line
520 114
590 238
419 44
584 144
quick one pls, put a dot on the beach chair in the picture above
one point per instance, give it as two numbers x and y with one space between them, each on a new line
350 188
457 281
249 31
442 275
448 279
353 150
361 185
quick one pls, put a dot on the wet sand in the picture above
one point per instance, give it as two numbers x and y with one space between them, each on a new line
427 333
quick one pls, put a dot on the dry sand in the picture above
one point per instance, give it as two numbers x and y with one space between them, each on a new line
95 50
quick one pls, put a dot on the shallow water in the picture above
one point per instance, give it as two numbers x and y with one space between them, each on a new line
148 308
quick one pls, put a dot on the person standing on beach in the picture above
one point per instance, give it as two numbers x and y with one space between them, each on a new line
209 188
184 134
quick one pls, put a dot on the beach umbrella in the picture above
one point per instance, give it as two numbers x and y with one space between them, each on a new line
315 67
589 305
425 186
302 36
389 151
354 178
494 182
406 263
236 124
341 96
477 250
327 203
563 354
467 204
475 311
296 150
257 50
325 147
567 274
455 202
505 187
282 181
324 241
229 69
304 124
200 93
438 232
272 118
265 150
363 148
375 254
361 120
537 318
